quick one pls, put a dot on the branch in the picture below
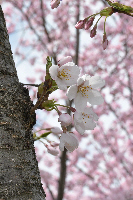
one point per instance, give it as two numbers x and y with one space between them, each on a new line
50 192
77 35
44 22
61 185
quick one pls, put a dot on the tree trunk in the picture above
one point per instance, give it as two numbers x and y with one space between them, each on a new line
20 177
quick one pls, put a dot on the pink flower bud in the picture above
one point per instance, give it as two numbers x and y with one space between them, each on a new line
56 130
93 31
72 109
105 41
80 24
65 119
52 151
65 60
54 144
89 23
55 3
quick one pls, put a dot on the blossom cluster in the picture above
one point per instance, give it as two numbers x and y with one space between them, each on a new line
82 90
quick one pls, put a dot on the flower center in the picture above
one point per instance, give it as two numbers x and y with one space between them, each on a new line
84 89
84 117
65 73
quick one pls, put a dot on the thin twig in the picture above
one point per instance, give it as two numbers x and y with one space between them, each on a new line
35 85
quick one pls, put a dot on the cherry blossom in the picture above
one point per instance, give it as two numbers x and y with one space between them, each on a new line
105 166
66 75
69 141
65 119
85 91
85 120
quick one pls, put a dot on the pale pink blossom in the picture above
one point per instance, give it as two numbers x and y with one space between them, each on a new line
86 91
66 75
85 120
65 119
69 141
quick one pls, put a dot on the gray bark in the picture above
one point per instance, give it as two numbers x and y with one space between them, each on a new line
19 174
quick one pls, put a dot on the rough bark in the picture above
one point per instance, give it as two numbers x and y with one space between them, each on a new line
20 177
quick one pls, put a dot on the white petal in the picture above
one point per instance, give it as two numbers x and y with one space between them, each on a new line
80 102
74 140
95 117
53 70
95 98
77 116
89 111
89 125
60 84
79 128
87 77
71 92
61 146
80 81
70 73
96 82
68 140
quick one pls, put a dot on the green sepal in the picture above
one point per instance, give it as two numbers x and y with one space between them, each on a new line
44 135
48 105
48 77
41 136
40 89
106 11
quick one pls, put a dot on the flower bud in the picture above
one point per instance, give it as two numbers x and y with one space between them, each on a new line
56 130
55 3
80 24
93 31
65 119
72 109
89 23
52 151
65 60
105 41
54 144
